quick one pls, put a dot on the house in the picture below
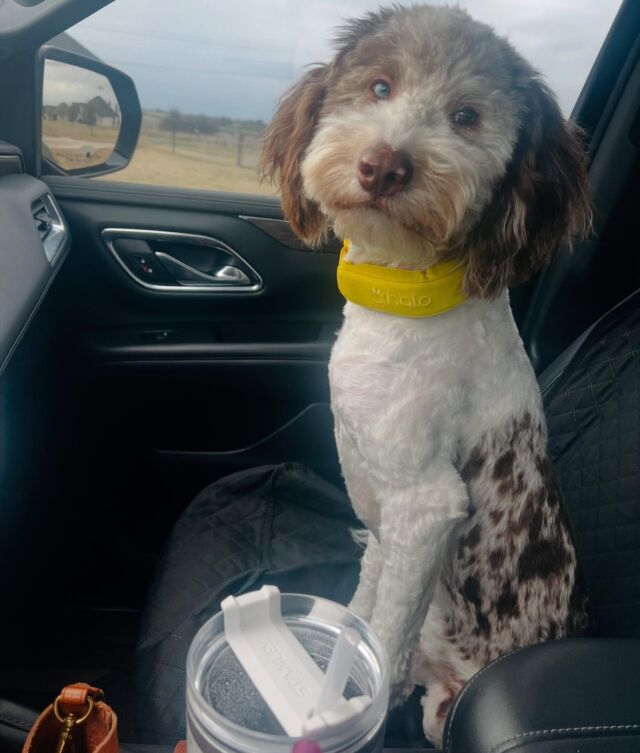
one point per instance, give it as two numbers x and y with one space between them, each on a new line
94 112
104 113
50 112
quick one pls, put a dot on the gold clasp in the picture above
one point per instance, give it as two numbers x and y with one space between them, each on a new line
69 722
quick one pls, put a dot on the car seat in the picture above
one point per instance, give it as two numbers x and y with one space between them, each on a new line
285 525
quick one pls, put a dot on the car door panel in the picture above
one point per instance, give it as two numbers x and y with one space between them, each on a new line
298 286
307 439
187 385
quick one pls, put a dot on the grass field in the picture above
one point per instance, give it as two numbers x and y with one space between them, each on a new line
222 161
74 145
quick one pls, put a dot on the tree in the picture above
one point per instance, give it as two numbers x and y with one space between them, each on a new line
173 122
74 111
240 147
88 116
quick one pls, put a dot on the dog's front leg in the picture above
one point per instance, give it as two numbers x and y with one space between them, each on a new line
364 598
415 524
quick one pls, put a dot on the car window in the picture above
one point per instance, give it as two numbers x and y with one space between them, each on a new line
209 74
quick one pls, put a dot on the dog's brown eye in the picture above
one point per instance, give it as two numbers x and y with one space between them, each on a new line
381 89
466 117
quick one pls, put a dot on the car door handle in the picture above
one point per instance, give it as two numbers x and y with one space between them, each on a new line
187 275
181 262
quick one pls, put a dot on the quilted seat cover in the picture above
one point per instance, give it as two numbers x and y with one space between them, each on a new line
281 525
594 436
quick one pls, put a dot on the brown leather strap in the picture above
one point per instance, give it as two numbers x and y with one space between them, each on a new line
73 698
98 734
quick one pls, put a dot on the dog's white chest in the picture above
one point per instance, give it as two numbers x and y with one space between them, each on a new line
394 386
404 390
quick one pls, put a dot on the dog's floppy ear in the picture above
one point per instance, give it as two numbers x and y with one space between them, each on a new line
541 200
285 142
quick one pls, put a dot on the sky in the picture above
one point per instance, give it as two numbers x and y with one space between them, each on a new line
68 83
236 57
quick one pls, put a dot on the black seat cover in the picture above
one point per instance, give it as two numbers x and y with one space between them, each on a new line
593 413
286 526
281 525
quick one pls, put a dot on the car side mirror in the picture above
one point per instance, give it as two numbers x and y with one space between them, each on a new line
91 115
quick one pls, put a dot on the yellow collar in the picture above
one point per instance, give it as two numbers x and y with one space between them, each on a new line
399 291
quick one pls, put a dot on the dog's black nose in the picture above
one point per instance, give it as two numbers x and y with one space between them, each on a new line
383 171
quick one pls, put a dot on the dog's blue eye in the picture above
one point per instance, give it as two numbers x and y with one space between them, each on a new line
466 117
381 89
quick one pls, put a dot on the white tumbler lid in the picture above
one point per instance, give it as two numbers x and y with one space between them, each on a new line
303 699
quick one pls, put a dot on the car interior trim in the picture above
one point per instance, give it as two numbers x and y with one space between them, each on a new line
281 231
110 235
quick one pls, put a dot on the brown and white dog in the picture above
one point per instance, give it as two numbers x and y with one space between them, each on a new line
429 138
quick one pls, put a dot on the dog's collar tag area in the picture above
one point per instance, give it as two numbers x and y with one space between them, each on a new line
401 292
303 699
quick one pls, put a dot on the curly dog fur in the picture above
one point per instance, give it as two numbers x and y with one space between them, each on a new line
429 138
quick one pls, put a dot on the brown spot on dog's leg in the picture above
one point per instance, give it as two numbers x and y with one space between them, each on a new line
504 465
541 558
473 466
483 622
530 518
504 473
496 516
470 589
470 540
496 559
507 604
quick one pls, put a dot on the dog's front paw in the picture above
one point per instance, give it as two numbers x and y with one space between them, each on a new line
436 703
